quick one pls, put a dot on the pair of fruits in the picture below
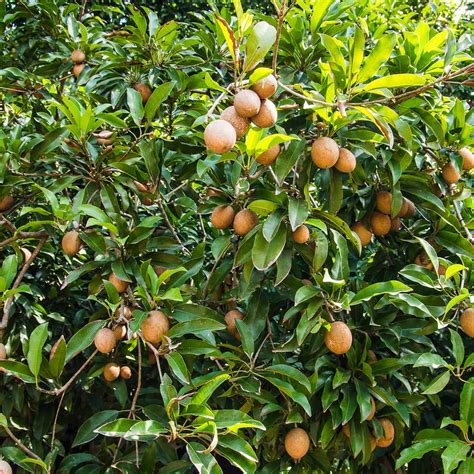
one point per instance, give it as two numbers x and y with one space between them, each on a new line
243 222
450 174
113 371
339 338
326 153
78 57
388 433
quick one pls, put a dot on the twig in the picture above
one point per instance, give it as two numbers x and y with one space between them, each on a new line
157 358
281 12
53 435
23 235
469 236
171 228
21 445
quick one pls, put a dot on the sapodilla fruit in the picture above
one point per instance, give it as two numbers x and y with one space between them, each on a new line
266 87
346 162
346 430
267 115
380 223
411 211
105 341
240 124
3 351
339 338
405 207
125 372
383 202
467 159
127 312
77 69
230 318
222 217
423 261
247 103
220 136
244 221
450 174
301 234
155 326
363 233
6 202
269 156
324 152
71 243
372 409
467 321
144 90
111 372
120 331
297 443
120 285
143 188
389 433
78 56
396 224
5 468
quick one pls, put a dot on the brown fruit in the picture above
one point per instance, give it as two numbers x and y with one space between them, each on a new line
372 357
383 201
240 124
6 202
220 136
144 90
346 162
339 338
244 221
346 430
120 285
230 318
3 351
405 208
120 331
467 321
71 243
364 235
441 270
105 341
450 174
78 56
380 223
266 87
247 103
77 69
143 188
423 261
389 433
267 116
307 282
297 443
269 156
468 159
301 234
222 217
5 468
127 312
125 372
411 209
111 372
396 224
324 152
155 326
372 409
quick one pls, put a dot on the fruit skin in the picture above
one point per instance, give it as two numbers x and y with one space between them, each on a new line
324 152
468 159
222 217
267 116
450 174
383 201
127 312
372 410
411 209
125 372
346 162
346 430
467 321
6 202
380 223
220 136
240 124
230 318
120 331
71 243
120 285
405 208
3 352
247 103
297 443
423 261
395 225
78 56
77 69
5 468
105 341
244 221
144 90
364 234
155 326
111 372
339 338
389 433
266 87
301 234
269 156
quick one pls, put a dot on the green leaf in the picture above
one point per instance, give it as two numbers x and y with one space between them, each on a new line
380 54
291 392
207 390
35 348
159 95
297 212
466 406
203 462
292 373
56 364
134 101
261 39
263 207
234 420
195 327
438 383
259 73
265 254
418 450
387 287
147 430
18 369
246 336
394 81
455 452
287 158
178 366
458 347
83 338
116 428
86 432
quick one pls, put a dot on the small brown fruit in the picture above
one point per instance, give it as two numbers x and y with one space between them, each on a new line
405 208
127 312
244 221
396 224
269 156
144 90
364 235
230 318
346 430
297 443
467 321
220 136
468 159
424 261
71 243
5 468
77 69
155 326
346 162
120 331
324 152
450 174
111 372
247 103
389 433
78 56
266 87
240 124
380 223
3 351
267 116
143 188
125 372
120 285
222 217
411 209
6 202
371 356
105 341
306 282
339 338
372 409
301 234
383 200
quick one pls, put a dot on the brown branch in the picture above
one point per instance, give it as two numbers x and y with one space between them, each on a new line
21 445
468 233
281 12
24 235
53 436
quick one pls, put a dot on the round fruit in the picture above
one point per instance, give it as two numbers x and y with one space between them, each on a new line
144 90
346 430
230 318
111 372
247 103
324 152
467 321
71 243
266 87
120 331
380 223
5 468
411 209
3 351
301 234
364 235
240 124
383 201
222 217
220 136
339 338
468 159
244 221
423 261
389 433
125 372
405 208
105 341
269 156
396 224
78 56
450 174
127 312
6 202
120 285
372 409
346 162
155 326
297 443
267 116
78 68
307 282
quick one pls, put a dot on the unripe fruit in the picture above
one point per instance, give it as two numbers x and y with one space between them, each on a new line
230 318
105 341
120 285
6 202
244 221
269 156
297 443
372 409
364 234
247 103
78 56
71 243
220 136
396 224
383 201
266 87
155 326
301 234
111 372
380 223
240 124
468 159
339 338
267 116
120 331
222 217
144 90
467 321
5 468
324 152
346 162
77 69
450 174
125 372
3 351
389 433
127 312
